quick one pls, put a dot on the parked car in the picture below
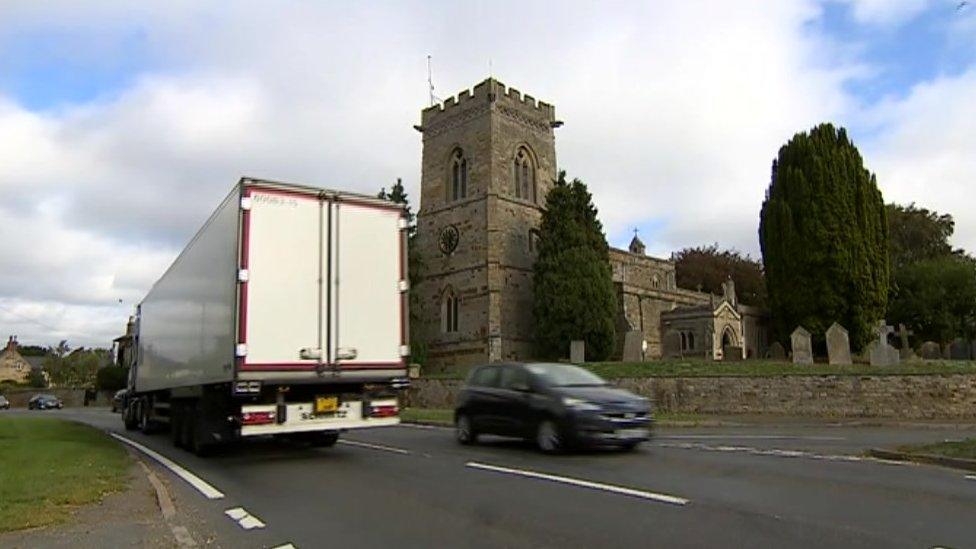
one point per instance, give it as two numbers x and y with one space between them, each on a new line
4 403
118 400
556 405
44 402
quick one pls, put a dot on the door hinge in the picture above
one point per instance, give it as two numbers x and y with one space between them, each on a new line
245 203
241 350
403 285
243 275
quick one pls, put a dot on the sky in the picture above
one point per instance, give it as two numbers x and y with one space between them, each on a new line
123 124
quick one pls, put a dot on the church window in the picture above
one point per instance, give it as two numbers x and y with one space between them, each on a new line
684 342
449 312
533 240
691 341
458 187
524 172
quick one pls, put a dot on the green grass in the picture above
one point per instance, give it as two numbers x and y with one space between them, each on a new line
965 449
445 416
757 368
48 465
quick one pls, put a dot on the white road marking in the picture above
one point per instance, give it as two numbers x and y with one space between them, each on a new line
971 477
746 437
776 452
375 446
285 546
425 426
663 498
244 519
201 485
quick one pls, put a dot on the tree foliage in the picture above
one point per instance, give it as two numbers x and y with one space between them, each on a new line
112 378
36 379
574 297
824 237
705 268
916 234
75 368
936 297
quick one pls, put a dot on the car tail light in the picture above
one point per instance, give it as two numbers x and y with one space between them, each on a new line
384 410
257 418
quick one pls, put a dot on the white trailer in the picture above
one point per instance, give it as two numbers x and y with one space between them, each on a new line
286 314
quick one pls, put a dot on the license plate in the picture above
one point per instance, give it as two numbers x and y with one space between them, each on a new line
632 433
326 405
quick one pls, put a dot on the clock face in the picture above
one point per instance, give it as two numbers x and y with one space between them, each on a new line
448 240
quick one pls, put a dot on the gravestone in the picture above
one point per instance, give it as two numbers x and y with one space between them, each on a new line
946 355
776 351
633 346
802 349
577 352
931 350
672 344
838 345
959 349
732 353
881 352
905 351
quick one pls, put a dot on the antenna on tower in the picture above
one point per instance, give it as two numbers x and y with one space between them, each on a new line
490 73
430 82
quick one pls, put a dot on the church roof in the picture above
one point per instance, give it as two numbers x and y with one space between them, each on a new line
636 246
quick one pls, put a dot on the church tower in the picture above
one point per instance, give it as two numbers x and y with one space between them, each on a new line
489 160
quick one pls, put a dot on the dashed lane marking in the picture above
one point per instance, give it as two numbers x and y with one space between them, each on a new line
285 546
201 485
244 519
622 490
776 452
746 437
970 477
375 447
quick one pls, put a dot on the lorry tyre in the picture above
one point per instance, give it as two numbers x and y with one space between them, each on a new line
198 430
146 425
129 416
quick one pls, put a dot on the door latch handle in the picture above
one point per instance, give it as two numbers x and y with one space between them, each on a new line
346 353
310 353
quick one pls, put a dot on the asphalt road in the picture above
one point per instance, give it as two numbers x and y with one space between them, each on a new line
758 486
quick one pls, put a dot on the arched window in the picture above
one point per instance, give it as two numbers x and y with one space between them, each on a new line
449 311
457 187
524 175
684 342
691 341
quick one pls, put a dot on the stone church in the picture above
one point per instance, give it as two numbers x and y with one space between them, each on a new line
489 159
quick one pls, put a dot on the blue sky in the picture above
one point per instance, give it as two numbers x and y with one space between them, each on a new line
673 112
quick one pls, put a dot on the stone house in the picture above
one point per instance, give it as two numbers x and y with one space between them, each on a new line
488 162
13 366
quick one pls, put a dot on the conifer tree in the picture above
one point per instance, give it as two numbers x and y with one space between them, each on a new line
574 297
824 238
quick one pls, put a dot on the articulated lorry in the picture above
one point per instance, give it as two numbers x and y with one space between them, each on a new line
285 315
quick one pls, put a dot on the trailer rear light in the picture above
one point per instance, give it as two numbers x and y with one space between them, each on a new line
384 410
257 418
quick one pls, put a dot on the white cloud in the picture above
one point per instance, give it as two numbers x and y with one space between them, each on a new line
886 13
673 112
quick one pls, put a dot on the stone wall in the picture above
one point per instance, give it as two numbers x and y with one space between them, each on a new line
828 396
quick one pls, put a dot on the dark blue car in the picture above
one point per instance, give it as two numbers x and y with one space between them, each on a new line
44 402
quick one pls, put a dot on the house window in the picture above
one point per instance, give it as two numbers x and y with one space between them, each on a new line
458 180
524 175
449 312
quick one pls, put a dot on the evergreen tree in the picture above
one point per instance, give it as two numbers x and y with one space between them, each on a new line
824 237
574 297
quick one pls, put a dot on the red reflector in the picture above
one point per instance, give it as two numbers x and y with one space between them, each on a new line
385 411
257 418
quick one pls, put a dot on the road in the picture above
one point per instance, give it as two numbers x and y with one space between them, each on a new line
786 486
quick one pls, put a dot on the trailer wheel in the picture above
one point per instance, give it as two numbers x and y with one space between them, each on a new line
198 439
129 415
146 424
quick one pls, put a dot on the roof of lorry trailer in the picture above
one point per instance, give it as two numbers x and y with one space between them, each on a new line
296 187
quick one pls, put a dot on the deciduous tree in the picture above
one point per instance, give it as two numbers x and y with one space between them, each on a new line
705 268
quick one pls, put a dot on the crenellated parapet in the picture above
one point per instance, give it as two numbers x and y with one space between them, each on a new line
487 94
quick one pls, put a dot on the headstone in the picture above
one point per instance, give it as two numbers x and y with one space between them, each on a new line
946 354
905 350
802 349
732 353
577 352
881 352
959 349
931 350
838 345
776 351
672 344
633 343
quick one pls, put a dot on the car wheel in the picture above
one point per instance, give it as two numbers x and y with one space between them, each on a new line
464 430
547 437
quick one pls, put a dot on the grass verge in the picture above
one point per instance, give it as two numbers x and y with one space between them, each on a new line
445 416
755 368
960 449
48 465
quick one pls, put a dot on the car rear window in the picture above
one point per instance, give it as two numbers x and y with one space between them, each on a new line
486 376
